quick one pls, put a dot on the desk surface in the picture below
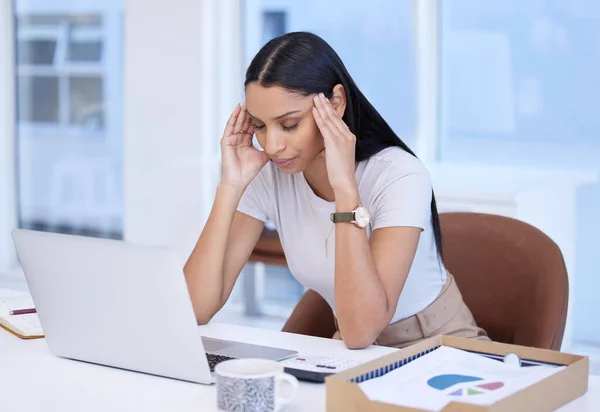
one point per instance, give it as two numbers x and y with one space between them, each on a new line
32 379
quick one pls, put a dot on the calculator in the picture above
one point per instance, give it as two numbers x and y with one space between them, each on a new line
313 368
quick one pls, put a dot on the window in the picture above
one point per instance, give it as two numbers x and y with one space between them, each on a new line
68 118
85 98
85 40
520 82
39 100
519 73
274 25
54 53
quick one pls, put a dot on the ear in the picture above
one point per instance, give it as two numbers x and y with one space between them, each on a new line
338 99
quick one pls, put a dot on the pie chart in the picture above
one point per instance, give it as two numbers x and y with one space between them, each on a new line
476 385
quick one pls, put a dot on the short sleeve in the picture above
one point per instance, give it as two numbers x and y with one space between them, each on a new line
402 200
255 200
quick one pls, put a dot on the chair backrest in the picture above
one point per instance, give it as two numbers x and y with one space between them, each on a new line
511 275
268 249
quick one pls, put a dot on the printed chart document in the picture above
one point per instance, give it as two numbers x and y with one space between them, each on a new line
448 374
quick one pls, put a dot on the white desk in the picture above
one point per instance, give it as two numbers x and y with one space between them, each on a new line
31 379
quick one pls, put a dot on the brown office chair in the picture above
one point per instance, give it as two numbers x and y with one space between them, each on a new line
511 275
268 249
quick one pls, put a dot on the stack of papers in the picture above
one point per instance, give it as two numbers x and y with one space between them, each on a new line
448 374
24 326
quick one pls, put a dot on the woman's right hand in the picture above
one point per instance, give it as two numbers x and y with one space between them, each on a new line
241 161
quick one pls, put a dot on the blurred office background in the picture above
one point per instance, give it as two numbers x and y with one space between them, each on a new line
111 113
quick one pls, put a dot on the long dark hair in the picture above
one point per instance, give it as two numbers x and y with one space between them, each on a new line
304 63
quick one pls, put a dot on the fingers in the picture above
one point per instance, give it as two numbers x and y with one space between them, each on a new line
246 132
321 124
242 126
231 122
241 119
247 124
331 119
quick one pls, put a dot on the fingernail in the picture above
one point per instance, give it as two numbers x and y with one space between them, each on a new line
322 96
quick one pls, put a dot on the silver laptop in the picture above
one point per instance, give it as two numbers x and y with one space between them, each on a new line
123 305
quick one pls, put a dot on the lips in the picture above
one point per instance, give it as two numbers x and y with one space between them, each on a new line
284 162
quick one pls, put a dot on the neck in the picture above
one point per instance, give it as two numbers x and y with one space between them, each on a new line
316 176
318 180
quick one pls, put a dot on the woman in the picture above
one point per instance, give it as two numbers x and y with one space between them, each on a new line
352 204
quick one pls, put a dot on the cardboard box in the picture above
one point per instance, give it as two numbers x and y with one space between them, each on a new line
546 395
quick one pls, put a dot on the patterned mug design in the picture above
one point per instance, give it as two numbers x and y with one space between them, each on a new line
246 395
253 385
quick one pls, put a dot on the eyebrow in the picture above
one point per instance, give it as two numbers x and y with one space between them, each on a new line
278 117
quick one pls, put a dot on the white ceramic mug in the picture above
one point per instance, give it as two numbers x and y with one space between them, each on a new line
253 385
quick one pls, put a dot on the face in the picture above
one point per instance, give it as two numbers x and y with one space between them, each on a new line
284 126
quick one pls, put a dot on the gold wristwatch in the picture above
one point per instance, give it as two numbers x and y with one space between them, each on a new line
359 216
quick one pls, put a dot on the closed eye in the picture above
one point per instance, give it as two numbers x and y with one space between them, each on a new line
285 128
290 128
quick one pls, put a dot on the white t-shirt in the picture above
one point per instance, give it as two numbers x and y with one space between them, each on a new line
395 188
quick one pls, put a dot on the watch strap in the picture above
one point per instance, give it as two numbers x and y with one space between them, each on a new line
342 217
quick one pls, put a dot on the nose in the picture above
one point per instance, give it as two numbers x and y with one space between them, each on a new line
275 144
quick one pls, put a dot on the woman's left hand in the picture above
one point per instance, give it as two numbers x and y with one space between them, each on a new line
340 145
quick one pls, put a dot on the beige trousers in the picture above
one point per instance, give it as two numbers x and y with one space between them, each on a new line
447 315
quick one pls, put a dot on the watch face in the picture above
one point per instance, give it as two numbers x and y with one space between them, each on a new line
362 216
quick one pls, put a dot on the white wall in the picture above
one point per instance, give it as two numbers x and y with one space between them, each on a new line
8 217
183 76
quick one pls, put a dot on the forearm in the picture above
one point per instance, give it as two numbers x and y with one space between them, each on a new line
360 297
204 269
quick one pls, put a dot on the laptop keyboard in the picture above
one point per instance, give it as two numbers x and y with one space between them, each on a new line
213 360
